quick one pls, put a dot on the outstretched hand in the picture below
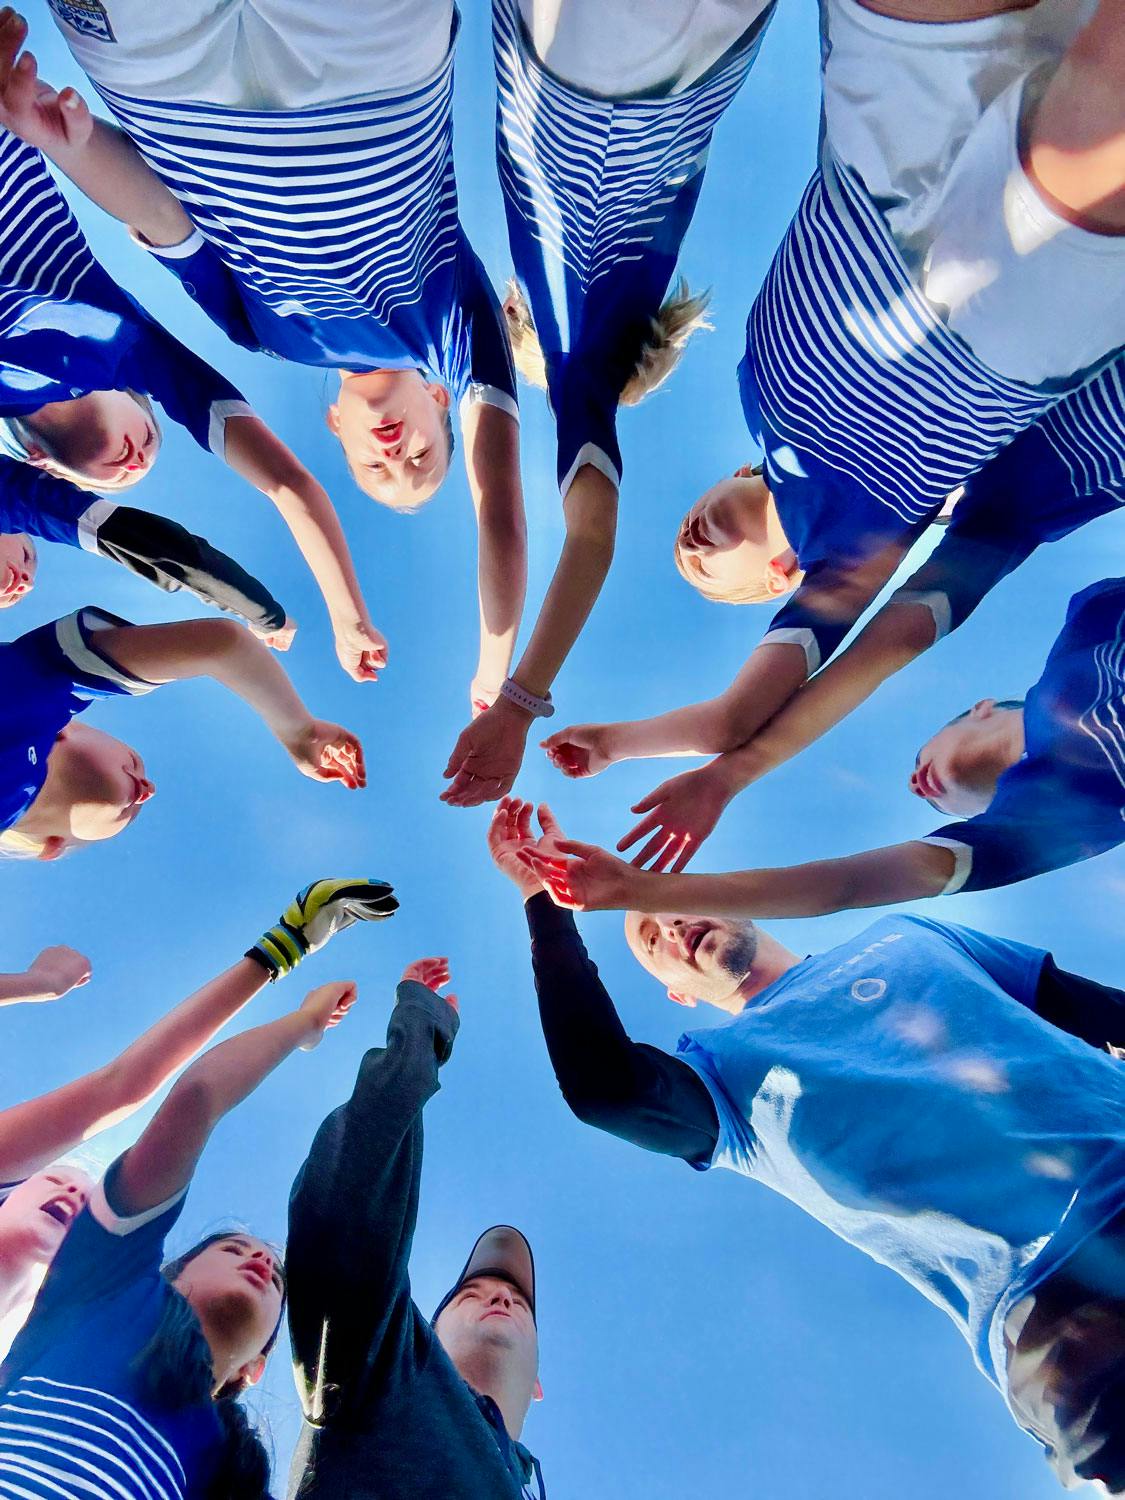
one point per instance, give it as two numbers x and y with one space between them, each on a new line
325 1007
487 756
328 752
434 974
679 815
277 640
580 750
29 108
583 877
510 834
58 970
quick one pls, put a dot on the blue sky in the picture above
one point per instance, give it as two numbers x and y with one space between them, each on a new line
699 1335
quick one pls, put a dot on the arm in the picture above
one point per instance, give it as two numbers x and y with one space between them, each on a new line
54 973
344 1288
163 1161
37 1132
97 157
624 1087
586 878
262 459
172 558
492 463
1093 1012
487 756
223 650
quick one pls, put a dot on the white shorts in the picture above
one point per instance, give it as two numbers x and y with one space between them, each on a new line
615 48
256 54
929 117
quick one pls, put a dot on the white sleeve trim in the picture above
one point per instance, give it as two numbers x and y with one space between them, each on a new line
597 458
221 413
796 636
68 633
116 1224
962 862
489 395
181 251
935 601
91 520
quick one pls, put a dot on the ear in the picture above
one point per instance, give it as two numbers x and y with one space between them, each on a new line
332 419
253 1370
52 847
777 580
686 1000
537 1393
982 709
438 393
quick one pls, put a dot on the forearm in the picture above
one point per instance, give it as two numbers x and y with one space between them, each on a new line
17 988
1093 1012
901 872
264 461
628 1089
111 172
172 558
591 526
38 1131
767 682
897 635
501 589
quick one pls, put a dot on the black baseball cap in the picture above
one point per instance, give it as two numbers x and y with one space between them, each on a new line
502 1252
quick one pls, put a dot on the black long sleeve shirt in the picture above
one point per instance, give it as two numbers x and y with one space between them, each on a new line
387 1415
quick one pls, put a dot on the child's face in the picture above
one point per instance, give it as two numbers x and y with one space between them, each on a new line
957 769
105 436
37 1216
392 425
731 545
18 566
95 787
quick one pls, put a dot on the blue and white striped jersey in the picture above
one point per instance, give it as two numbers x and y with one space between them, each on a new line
67 329
330 235
73 1417
598 195
1064 801
869 410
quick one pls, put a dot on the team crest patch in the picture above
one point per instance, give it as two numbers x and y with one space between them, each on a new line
85 16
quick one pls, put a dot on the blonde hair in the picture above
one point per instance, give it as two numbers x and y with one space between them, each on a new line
17 845
681 314
750 592
25 432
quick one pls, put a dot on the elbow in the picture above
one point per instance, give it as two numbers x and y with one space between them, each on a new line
727 727
903 631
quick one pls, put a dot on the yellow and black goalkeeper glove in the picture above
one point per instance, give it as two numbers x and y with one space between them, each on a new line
319 912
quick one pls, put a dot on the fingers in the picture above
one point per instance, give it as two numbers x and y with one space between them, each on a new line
522 811
571 760
660 841
342 760
453 1000
469 790
646 825
75 115
653 800
548 822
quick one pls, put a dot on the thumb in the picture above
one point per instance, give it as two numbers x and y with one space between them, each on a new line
75 114
654 799
547 820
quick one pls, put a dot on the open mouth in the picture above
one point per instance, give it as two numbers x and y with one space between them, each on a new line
388 434
692 938
927 784
62 1210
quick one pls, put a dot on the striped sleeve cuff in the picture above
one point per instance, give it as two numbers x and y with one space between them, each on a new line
962 862
935 601
181 251
597 458
221 413
76 635
479 394
121 1225
797 635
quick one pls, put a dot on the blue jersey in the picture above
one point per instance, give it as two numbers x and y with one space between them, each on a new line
330 235
1064 801
1066 469
869 409
47 677
598 195
45 506
900 1089
74 1417
67 329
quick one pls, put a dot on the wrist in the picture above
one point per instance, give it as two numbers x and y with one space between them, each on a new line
36 987
532 704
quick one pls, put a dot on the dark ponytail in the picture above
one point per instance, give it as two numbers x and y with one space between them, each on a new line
176 1372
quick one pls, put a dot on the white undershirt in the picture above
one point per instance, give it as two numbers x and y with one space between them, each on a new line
617 47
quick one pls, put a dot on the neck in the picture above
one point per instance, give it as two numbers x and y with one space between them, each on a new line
771 961
228 1353
19 1267
1006 742
508 1390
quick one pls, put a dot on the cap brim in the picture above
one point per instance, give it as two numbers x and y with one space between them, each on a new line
500 1251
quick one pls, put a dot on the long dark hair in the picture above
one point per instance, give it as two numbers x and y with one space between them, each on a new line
176 1372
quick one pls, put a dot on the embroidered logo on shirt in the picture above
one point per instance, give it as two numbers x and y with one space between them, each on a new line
85 16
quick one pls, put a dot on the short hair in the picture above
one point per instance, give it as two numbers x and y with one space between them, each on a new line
956 719
722 593
681 314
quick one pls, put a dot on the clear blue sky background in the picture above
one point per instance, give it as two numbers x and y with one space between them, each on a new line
699 1335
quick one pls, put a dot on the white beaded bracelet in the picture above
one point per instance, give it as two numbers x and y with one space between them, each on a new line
538 708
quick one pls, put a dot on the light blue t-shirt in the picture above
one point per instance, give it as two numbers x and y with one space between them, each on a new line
901 1089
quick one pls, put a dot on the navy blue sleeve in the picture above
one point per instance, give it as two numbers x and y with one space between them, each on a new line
485 370
584 405
187 387
43 505
209 281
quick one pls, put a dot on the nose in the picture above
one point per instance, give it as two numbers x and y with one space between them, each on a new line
503 1297
147 789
